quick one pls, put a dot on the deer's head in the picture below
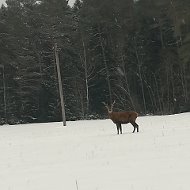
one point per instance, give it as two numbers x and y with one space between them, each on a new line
109 108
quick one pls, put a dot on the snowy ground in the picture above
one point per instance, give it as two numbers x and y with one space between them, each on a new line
89 155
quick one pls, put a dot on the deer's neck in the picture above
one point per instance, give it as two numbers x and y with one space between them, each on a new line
110 113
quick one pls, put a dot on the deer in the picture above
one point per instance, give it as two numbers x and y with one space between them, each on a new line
122 118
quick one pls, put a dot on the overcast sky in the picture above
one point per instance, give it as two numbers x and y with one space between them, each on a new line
70 2
2 1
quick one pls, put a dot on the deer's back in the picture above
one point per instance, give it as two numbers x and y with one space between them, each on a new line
123 117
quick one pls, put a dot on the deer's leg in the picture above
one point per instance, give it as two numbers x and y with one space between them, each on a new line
117 128
120 128
132 123
135 126
133 129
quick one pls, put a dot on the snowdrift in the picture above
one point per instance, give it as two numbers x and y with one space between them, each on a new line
89 155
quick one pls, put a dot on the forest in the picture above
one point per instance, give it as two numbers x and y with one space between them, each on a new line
134 52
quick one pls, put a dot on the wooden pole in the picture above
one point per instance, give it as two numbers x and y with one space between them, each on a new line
60 84
4 93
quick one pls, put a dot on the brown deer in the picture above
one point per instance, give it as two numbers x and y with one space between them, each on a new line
122 118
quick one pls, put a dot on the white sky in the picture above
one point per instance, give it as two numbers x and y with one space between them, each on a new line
2 1
70 2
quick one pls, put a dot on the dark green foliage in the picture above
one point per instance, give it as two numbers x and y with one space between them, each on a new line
134 52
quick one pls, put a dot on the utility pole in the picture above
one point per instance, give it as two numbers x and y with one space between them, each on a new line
60 84
4 93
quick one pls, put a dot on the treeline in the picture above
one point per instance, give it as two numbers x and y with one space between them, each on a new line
133 52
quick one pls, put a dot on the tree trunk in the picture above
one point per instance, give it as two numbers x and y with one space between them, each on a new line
107 70
140 75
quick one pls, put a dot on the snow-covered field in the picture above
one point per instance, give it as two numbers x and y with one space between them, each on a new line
89 155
